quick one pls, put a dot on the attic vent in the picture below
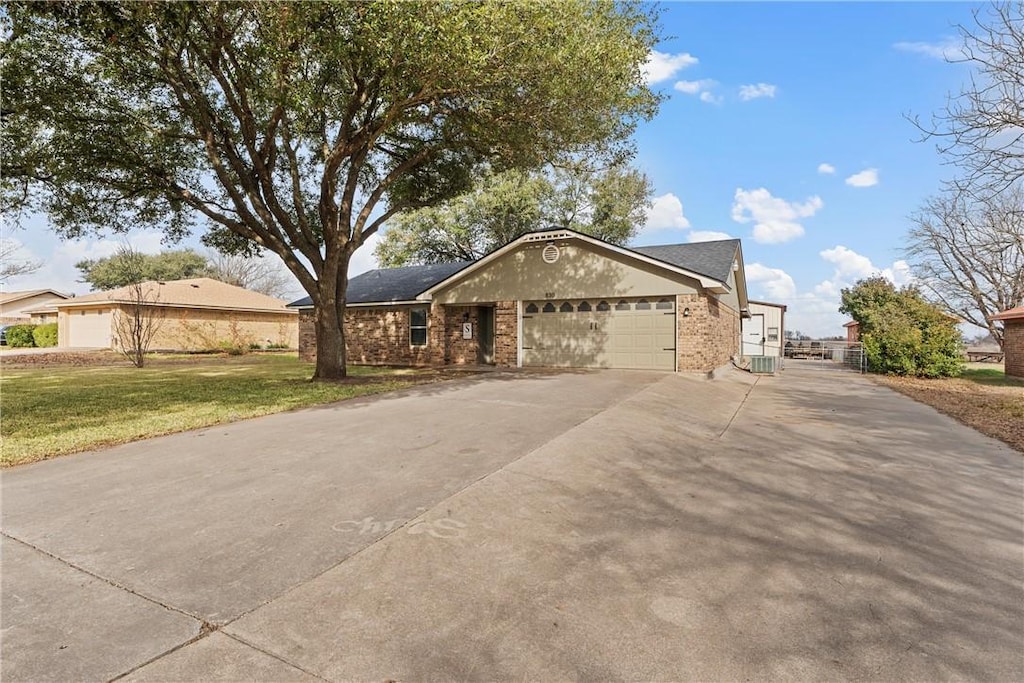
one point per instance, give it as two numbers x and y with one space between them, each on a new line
550 253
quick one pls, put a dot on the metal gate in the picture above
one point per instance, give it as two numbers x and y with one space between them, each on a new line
826 355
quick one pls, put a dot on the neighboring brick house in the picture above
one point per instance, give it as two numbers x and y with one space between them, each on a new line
1013 340
555 298
192 315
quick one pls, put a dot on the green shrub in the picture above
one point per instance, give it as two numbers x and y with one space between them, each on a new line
902 333
45 335
20 336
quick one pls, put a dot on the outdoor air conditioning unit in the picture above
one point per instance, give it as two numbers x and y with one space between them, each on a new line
762 365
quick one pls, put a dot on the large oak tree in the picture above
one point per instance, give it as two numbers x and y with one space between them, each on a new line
299 128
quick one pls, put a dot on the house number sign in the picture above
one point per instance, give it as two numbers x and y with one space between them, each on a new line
467 330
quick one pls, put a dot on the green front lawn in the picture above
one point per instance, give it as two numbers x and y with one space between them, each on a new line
53 410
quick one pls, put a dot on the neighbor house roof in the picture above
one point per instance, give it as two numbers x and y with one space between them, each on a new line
851 323
713 259
9 297
200 292
711 262
1009 314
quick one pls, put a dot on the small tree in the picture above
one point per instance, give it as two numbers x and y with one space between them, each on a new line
902 333
139 318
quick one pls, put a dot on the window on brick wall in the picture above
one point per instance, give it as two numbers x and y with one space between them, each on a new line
418 326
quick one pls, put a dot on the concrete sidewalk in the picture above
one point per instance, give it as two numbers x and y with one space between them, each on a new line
627 526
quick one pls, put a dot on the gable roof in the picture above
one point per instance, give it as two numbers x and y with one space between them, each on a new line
709 262
202 292
1009 314
392 285
713 259
10 297
712 283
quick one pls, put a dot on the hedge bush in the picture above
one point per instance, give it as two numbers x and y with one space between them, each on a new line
20 336
45 335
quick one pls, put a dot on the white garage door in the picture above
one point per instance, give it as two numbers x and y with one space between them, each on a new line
89 328
600 333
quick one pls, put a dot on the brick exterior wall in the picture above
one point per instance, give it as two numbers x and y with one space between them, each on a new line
709 337
1013 347
459 351
506 334
196 329
380 336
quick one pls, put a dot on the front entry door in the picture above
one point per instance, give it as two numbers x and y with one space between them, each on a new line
485 332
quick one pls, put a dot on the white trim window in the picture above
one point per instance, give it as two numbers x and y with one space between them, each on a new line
418 326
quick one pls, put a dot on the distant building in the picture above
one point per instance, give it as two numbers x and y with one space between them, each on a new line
852 332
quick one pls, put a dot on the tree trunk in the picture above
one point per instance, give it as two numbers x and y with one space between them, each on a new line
330 331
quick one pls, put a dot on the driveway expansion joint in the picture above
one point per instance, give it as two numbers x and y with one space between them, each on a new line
203 624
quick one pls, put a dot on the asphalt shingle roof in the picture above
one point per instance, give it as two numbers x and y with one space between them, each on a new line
199 292
712 259
393 284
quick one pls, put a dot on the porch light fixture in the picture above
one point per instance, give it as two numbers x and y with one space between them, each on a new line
686 312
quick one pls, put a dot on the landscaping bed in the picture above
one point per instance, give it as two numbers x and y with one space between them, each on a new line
983 399
55 404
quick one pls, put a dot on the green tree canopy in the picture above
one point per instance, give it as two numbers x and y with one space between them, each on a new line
902 333
610 204
302 127
126 268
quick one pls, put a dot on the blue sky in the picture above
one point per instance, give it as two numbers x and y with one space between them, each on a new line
761 95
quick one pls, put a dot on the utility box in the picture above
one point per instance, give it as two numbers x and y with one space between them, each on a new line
763 365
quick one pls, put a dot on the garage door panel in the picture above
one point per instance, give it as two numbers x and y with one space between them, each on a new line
621 337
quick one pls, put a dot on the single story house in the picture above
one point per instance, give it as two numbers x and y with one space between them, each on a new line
17 307
554 298
1013 340
189 315
765 330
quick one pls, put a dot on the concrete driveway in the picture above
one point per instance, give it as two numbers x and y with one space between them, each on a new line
605 525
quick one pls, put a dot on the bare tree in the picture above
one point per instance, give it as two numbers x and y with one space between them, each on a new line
982 129
968 254
11 265
266 276
139 317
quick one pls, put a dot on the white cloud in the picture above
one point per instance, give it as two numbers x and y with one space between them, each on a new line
364 258
775 283
662 66
666 213
694 87
827 169
816 311
866 178
707 236
775 219
948 49
754 91
59 272
701 88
